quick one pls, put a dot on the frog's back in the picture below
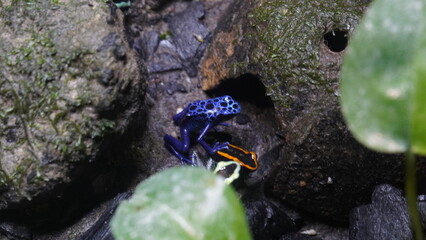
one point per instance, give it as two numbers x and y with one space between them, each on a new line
212 109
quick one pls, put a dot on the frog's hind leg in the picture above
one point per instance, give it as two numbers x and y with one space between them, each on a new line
178 148
216 147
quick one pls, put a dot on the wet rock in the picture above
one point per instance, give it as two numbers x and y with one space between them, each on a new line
14 231
100 229
323 230
298 236
107 77
175 87
421 202
385 218
11 135
164 62
157 4
165 59
189 36
71 90
242 119
147 44
321 167
266 220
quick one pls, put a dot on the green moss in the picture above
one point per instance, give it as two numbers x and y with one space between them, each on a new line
40 92
165 35
289 34
45 92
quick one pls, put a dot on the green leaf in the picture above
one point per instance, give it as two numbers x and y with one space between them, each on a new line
181 203
383 86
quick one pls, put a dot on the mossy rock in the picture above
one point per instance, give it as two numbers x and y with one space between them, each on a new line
70 87
296 49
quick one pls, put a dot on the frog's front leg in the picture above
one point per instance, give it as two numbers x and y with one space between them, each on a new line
178 148
216 147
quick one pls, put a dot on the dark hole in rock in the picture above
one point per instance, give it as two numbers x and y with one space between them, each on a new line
336 40
246 88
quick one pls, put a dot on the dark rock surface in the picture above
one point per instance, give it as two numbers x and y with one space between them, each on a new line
100 230
385 218
298 236
12 230
163 62
266 220
189 36
242 119
147 44
421 202
182 44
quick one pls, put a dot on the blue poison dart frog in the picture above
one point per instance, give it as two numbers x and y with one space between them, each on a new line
201 116
243 157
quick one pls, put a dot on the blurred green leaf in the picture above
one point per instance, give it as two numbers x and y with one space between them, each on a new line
383 86
181 203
